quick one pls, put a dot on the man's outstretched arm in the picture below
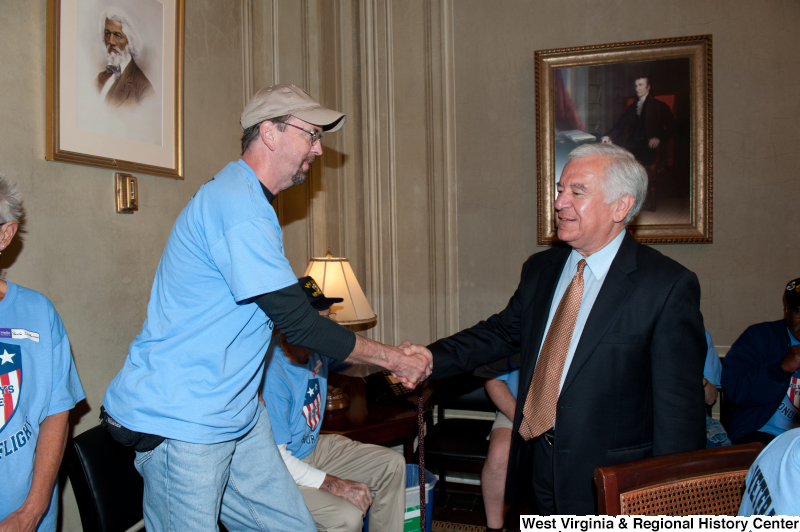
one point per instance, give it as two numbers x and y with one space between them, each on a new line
303 326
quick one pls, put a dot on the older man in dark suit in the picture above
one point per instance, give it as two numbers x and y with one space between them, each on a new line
611 337
122 83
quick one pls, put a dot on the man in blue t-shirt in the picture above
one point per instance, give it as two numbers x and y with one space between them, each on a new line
38 387
186 397
772 484
761 375
336 476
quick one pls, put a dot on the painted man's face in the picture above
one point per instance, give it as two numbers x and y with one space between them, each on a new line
114 37
642 87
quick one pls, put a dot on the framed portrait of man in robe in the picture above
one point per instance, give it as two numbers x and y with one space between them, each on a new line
653 98
115 84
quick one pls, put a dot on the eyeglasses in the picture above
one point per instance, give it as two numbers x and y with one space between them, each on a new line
315 135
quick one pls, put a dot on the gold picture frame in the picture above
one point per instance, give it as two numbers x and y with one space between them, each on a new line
587 93
110 108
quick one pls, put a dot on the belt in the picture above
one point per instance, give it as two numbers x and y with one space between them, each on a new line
549 437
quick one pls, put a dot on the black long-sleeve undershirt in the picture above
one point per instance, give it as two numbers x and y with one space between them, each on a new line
290 311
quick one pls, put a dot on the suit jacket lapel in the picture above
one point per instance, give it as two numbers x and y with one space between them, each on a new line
616 289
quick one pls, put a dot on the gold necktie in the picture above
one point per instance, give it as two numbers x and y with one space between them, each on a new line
539 413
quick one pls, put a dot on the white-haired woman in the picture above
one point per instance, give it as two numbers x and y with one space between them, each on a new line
38 387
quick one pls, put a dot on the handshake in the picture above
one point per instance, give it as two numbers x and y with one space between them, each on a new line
409 363
414 366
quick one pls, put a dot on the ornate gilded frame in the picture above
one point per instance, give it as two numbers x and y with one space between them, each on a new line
106 150
697 49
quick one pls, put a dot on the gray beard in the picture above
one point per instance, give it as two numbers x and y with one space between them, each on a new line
118 60
300 176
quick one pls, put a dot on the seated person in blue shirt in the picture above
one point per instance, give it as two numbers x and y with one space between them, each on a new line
501 387
772 484
338 478
715 432
761 375
38 387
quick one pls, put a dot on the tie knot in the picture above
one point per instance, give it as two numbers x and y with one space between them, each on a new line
581 266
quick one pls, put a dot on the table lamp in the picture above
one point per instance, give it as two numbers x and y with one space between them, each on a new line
335 278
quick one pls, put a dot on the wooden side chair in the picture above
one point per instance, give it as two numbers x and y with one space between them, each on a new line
704 482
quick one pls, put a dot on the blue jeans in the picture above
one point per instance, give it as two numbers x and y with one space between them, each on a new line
243 482
715 433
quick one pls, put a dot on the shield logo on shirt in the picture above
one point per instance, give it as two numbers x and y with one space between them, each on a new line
794 392
311 404
10 381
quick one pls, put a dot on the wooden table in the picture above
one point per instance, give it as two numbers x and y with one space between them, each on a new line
368 422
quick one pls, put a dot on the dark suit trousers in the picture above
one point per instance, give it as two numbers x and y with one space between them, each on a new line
543 481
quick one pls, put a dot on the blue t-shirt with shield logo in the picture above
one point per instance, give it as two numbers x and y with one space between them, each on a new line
37 379
295 397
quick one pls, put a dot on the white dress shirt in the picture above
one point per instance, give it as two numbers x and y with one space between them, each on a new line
640 104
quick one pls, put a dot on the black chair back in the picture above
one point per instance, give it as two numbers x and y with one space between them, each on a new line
455 444
107 486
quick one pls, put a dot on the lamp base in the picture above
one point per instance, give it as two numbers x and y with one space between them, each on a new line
337 399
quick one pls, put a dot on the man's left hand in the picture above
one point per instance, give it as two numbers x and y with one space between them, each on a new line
654 142
791 362
357 493
20 521
711 392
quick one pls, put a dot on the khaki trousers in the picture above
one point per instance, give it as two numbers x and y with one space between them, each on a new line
381 469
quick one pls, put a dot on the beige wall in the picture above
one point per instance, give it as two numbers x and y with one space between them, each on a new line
430 188
756 247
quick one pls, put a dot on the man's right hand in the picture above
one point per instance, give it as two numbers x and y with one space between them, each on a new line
791 362
410 364
415 366
356 493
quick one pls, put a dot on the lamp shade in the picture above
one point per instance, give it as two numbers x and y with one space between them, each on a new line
335 278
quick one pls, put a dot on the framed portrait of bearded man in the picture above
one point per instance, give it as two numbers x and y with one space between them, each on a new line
653 98
115 84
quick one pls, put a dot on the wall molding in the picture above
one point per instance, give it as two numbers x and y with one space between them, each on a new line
449 169
247 50
348 58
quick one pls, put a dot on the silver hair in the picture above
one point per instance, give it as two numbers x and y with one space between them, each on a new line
115 13
623 174
10 202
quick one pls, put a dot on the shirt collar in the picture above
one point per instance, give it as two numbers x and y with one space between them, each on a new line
249 171
600 261
270 196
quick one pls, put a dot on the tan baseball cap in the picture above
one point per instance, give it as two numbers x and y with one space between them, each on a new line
279 100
